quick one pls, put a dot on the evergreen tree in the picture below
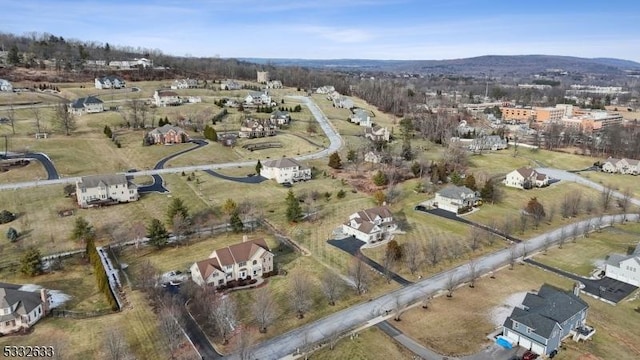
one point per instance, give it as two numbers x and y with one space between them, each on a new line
416 168
488 192
82 230
12 234
157 233
470 182
258 167
14 56
236 222
177 206
294 211
380 178
456 179
334 161
352 155
31 262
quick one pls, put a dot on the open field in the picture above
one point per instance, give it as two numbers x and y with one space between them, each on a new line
558 159
587 254
617 182
84 339
25 173
459 325
370 344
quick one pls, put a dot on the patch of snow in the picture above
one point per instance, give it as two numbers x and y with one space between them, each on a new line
57 298
500 313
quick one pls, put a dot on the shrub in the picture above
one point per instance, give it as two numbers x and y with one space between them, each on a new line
12 234
341 194
6 216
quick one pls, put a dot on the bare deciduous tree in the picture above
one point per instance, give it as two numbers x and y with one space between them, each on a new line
147 276
624 202
65 120
264 308
222 315
331 286
551 213
399 308
170 326
411 256
524 219
300 294
243 346
452 283
359 273
115 345
575 232
432 251
473 273
513 257
546 244
11 115
475 238
180 226
562 238
605 197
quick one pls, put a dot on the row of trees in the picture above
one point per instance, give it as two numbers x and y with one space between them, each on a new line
100 273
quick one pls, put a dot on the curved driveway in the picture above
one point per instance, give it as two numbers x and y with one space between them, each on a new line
52 173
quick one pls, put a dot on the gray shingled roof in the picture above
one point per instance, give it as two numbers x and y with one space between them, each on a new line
542 311
455 192
81 102
165 129
283 163
26 301
108 180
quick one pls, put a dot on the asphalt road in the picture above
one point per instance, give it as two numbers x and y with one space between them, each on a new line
52 173
371 312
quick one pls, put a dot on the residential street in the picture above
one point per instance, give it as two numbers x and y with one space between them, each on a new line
368 312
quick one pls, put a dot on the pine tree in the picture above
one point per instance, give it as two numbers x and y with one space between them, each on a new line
258 167
157 233
12 234
177 206
82 230
31 262
488 192
294 212
470 182
334 161
236 222
380 178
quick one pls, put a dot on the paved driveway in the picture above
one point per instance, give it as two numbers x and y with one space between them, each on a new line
52 173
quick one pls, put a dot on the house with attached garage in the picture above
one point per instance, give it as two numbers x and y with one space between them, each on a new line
97 190
250 259
456 199
370 225
280 117
361 117
166 98
625 268
545 318
19 308
257 98
86 105
377 133
230 85
167 134
255 128
488 142
327 89
622 166
526 178
184 84
109 82
285 170
274 84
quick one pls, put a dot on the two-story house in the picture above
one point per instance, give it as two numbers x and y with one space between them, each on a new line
361 117
621 166
254 128
274 84
377 133
488 142
97 190
167 134
280 117
249 259
230 85
625 268
86 105
327 89
456 198
166 98
545 318
285 170
526 178
109 82
184 84
370 225
257 98
20 309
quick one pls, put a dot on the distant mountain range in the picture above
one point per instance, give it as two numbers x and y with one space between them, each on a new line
481 65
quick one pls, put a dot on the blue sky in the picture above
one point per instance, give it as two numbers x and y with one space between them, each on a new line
332 29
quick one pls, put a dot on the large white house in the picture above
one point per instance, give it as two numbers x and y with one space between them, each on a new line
625 268
166 98
230 85
97 190
370 225
5 85
86 105
285 170
622 166
456 198
249 259
258 98
109 82
361 117
184 84
526 178
20 309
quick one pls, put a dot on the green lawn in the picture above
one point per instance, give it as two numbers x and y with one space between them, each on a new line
617 182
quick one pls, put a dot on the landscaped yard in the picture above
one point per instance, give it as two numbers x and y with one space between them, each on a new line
587 254
370 344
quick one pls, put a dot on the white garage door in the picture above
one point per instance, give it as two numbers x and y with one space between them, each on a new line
525 343
513 336
537 348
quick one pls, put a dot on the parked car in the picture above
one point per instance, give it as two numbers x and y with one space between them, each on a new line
529 355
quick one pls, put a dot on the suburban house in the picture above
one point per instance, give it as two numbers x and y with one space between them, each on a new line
625 268
184 84
456 198
230 85
167 134
253 128
343 102
20 309
274 84
526 178
361 117
488 142
327 89
166 98
86 105
285 170
622 166
257 98
228 139
373 157
105 189
546 318
250 259
370 225
280 117
377 133
109 82
5 85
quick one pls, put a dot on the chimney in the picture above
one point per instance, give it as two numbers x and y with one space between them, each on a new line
44 297
245 238
576 289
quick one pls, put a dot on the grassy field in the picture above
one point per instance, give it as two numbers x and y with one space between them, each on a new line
459 325
583 256
617 182
369 345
